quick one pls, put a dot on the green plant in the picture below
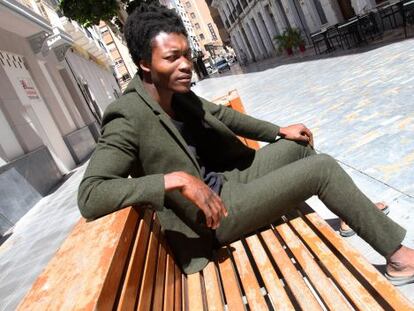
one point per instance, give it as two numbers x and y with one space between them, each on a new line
295 36
284 41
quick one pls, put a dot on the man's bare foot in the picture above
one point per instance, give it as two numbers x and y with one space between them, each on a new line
346 231
400 266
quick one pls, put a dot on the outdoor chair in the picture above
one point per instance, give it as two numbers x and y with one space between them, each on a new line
334 37
317 40
368 26
388 13
407 14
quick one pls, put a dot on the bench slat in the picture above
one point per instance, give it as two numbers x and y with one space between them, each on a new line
146 291
211 282
387 291
293 278
158 299
348 283
72 281
328 292
169 285
272 282
230 284
194 292
251 286
132 280
178 289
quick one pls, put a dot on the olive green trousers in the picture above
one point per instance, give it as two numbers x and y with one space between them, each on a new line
283 175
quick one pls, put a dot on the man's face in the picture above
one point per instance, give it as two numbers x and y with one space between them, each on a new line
171 66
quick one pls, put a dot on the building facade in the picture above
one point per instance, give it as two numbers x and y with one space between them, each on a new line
253 24
204 27
124 67
56 78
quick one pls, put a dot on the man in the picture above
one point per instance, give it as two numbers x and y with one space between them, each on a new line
185 160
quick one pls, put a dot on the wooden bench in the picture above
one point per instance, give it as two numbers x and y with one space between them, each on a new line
123 262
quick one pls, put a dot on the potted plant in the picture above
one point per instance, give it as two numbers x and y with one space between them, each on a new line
295 36
284 42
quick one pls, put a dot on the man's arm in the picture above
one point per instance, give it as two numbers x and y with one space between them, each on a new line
105 187
242 124
252 128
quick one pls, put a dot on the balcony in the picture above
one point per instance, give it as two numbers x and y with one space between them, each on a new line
83 38
25 18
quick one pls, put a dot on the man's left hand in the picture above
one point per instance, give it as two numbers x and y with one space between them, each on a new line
297 132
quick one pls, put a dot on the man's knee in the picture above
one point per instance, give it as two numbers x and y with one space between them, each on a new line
297 149
325 160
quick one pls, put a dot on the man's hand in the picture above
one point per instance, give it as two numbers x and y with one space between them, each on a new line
200 194
298 132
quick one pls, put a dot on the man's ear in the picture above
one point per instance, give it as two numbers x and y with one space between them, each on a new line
144 65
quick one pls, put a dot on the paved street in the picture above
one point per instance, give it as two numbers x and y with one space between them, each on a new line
360 107
361 110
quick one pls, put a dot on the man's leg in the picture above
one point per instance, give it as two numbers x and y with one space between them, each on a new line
263 200
270 158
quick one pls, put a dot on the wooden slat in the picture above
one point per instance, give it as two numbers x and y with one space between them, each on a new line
211 282
328 292
85 273
251 286
178 286
297 285
158 300
132 280
169 285
146 291
348 283
272 282
194 292
387 291
230 285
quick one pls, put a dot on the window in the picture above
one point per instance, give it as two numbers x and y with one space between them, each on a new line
192 15
188 4
201 36
213 33
125 77
197 26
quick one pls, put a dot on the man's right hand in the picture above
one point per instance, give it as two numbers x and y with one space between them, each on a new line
200 194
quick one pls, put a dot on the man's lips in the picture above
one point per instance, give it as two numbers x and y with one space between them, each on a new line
184 79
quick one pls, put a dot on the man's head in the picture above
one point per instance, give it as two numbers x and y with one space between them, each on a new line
144 24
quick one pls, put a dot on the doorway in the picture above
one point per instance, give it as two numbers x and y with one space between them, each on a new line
346 9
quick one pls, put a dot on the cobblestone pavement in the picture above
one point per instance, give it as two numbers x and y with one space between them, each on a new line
360 107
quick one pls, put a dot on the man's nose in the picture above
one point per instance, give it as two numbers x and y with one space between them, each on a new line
185 63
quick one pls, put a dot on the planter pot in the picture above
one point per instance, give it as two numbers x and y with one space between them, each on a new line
302 48
289 51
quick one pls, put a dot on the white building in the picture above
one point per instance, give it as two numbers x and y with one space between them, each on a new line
253 24
55 81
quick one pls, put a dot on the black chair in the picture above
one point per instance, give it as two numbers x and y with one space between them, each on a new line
317 39
407 12
333 36
388 12
368 26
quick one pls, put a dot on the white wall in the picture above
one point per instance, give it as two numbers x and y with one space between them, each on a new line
8 141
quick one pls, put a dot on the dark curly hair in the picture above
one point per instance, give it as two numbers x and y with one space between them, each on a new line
144 24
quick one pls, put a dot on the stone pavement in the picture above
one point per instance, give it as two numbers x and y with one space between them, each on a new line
360 107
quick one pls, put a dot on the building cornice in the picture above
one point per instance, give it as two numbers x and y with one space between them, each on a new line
25 12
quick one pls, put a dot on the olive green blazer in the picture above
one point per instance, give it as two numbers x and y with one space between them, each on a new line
139 144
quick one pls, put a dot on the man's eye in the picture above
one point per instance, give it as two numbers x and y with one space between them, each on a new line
172 57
